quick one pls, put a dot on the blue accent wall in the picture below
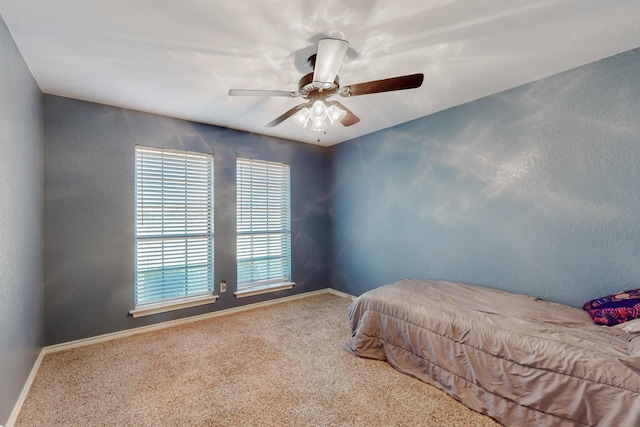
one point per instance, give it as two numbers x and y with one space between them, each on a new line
21 235
89 212
534 190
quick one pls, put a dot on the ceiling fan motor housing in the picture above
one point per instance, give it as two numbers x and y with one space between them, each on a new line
306 87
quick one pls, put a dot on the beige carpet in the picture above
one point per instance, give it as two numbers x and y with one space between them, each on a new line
281 365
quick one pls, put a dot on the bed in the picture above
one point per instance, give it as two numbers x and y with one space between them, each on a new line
521 360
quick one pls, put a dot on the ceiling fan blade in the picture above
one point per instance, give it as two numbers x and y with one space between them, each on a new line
285 116
410 81
350 118
331 53
249 92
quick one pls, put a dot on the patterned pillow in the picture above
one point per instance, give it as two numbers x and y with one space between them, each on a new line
615 308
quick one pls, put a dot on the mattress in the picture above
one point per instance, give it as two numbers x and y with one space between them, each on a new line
520 360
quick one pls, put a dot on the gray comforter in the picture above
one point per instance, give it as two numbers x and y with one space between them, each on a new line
521 360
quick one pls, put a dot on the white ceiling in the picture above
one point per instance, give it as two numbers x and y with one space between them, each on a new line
180 58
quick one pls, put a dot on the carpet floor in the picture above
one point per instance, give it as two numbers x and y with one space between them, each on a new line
280 365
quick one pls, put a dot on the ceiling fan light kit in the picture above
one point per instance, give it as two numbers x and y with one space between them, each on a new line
318 117
318 114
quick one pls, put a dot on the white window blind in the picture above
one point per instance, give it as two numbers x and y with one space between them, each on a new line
174 226
264 224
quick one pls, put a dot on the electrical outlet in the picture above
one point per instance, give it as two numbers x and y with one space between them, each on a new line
223 286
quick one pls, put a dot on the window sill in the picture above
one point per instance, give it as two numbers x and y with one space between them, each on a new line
173 305
264 289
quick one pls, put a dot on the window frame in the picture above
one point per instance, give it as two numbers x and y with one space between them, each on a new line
173 243
263 226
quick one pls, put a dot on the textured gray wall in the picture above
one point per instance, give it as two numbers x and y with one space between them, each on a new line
21 241
533 190
89 212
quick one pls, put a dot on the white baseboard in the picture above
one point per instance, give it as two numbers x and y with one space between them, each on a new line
339 294
25 390
129 332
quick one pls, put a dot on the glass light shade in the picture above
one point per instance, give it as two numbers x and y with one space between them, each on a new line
318 125
302 117
335 113
318 111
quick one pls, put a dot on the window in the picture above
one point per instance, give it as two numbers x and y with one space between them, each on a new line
263 227
173 230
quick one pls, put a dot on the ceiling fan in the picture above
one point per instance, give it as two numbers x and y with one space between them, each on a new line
321 84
